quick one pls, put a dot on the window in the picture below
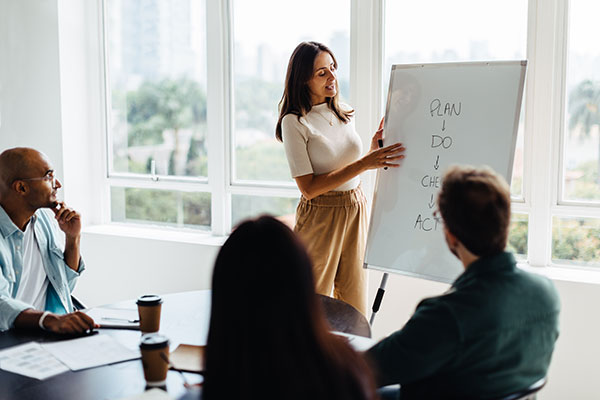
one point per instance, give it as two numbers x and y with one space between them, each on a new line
156 67
193 87
582 114
260 57
159 106
576 235
442 31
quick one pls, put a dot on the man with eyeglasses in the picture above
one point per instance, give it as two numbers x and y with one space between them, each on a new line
493 332
37 275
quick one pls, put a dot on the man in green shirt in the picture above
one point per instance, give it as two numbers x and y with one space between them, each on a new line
493 332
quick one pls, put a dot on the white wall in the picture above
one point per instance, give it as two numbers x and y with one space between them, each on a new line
81 100
30 112
121 267
57 112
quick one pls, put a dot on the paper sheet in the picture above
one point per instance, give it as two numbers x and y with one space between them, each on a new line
31 360
120 318
91 351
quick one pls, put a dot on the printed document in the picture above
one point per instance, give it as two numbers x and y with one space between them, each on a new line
91 351
31 360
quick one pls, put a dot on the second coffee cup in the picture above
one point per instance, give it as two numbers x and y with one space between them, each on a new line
155 359
149 307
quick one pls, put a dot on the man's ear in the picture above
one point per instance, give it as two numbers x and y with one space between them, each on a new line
20 187
450 238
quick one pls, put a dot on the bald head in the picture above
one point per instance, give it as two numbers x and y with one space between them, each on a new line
20 162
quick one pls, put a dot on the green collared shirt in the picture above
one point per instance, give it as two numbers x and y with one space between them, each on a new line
491 334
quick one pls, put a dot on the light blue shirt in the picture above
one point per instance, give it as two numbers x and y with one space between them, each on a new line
62 278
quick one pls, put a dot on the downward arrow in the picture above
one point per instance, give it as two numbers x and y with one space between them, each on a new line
444 125
437 163
431 202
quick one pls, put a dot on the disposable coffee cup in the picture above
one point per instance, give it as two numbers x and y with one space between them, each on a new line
155 358
149 307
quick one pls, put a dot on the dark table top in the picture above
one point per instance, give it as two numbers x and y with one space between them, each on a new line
184 319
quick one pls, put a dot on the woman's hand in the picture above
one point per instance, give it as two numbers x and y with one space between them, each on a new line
312 185
377 136
383 157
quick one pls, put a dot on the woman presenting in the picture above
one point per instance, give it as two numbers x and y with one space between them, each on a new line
324 154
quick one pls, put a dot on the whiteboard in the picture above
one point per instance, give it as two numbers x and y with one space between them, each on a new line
450 113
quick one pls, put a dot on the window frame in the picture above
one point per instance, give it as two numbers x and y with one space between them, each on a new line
551 23
545 95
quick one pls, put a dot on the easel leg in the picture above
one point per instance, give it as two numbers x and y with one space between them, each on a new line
379 297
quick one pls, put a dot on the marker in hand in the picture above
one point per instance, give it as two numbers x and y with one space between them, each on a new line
380 143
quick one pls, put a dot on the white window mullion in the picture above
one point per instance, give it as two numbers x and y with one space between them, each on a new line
265 191
576 211
105 212
149 184
547 67
366 56
218 22
528 147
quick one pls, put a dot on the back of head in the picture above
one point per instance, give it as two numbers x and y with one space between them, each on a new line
475 206
14 163
268 337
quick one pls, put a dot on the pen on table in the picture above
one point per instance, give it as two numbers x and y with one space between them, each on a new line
166 359
380 143
131 321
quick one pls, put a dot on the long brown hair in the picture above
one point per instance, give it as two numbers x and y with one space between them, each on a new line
296 95
268 337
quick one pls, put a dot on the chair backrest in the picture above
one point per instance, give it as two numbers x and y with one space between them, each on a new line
342 317
526 394
77 305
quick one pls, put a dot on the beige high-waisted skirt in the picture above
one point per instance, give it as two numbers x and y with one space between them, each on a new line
333 226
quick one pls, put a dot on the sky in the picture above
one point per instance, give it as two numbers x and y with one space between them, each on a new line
260 21
584 29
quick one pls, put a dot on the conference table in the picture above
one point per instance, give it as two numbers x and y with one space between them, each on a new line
184 319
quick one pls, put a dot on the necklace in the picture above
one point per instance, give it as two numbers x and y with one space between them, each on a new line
330 120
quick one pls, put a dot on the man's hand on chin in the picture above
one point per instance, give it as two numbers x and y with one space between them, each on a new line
69 220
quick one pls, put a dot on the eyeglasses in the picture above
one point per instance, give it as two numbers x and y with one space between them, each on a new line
48 177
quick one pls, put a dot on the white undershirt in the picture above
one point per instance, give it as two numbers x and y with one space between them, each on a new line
33 284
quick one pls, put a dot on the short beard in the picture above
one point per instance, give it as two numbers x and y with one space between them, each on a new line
50 204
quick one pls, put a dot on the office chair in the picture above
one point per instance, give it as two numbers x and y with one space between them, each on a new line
392 392
342 317
526 394
77 305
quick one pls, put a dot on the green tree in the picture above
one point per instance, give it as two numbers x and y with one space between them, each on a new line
256 104
262 161
153 108
166 105
576 240
517 238
197 161
584 103
586 187
171 167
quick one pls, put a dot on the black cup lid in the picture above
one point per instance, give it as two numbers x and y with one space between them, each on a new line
149 300
153 341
